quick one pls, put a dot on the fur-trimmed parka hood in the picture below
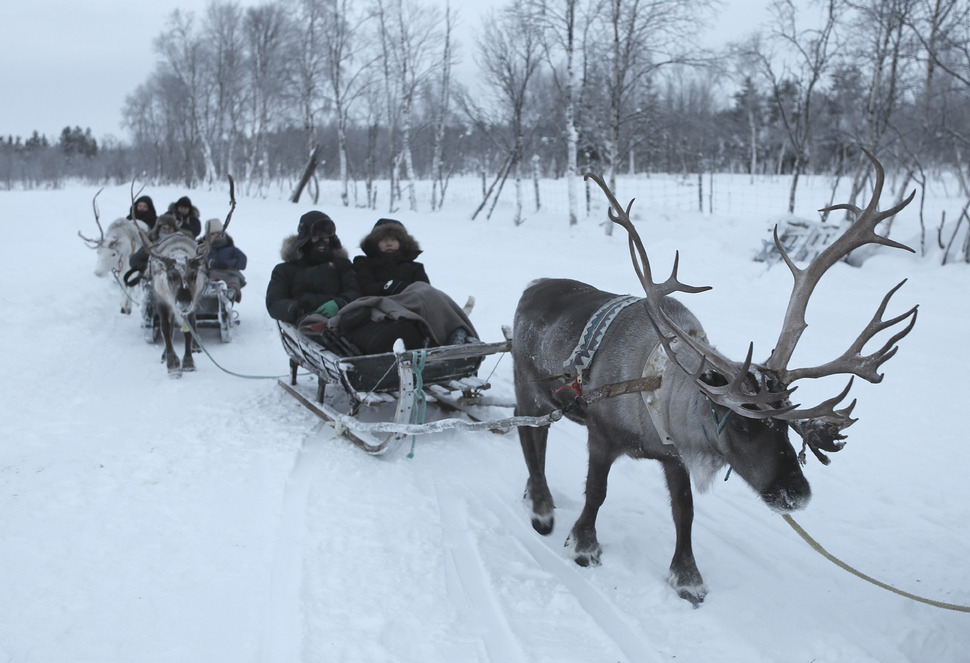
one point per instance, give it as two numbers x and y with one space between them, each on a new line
292 252
410 249
173 209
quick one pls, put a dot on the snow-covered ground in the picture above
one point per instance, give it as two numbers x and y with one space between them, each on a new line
212 518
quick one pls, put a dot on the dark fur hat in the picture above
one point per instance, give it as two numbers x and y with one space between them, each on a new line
312 224
410 249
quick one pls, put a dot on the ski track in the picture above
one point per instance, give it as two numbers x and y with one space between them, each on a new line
282 634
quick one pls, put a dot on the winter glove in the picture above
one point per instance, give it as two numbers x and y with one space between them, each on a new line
328 309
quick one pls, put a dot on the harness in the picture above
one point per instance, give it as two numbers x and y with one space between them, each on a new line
647 385
596 327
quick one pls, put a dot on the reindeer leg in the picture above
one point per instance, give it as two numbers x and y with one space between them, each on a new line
582 539
533 441
188 364
168 356
684 576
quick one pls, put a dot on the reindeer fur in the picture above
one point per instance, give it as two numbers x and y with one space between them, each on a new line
549 319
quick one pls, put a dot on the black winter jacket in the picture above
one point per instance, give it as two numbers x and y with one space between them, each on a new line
190 223
297 287
389 274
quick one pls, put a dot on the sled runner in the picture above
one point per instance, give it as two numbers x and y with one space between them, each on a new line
215 310
445 377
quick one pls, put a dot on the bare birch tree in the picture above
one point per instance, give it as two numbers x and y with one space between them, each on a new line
509 53
307 68
346 64
804 61
439 181
223 29
265 27
183 51
410 33
560 22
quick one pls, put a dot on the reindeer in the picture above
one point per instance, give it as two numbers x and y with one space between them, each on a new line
115 246
655 388
179 269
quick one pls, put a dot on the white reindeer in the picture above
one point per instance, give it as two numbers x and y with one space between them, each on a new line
114 247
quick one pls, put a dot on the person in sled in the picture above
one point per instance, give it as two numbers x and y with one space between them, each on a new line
187 215
389 263
401 302
226 260
165 225
316 275
144 211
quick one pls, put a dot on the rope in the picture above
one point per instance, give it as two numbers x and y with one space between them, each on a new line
419 410
198 340
124 288
500 358
838 562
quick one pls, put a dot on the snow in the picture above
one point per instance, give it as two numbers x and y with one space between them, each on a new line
212 518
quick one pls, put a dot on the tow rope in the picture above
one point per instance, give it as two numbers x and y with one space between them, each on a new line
838 562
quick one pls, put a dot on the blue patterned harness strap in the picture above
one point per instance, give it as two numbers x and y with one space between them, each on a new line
582 356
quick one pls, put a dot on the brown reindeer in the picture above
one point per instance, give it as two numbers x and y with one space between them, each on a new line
179 269
655 388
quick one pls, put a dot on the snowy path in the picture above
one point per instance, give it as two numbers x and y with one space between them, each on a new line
212 518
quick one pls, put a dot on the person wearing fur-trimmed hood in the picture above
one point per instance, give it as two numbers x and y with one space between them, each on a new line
187 215
399 302
388 265
316 275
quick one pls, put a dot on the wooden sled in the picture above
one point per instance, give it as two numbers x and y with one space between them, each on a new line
445 377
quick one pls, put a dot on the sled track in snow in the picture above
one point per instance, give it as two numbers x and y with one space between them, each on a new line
613 622
474 586
469 581
282 636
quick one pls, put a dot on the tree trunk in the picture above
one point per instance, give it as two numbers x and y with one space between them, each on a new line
308 171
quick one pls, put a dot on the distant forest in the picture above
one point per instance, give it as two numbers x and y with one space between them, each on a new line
372 90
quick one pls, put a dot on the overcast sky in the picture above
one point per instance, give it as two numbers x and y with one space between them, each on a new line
73 63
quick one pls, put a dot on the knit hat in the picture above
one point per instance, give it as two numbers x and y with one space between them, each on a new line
213 226
184 202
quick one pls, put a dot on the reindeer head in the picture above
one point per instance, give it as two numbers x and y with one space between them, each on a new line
763 391
180 272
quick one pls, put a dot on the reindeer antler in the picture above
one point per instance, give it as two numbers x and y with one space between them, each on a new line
762 393
204 249
232 203
851 362
753 401
94 243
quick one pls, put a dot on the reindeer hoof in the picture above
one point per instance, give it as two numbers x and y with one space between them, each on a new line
587 554
689 586
543 524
